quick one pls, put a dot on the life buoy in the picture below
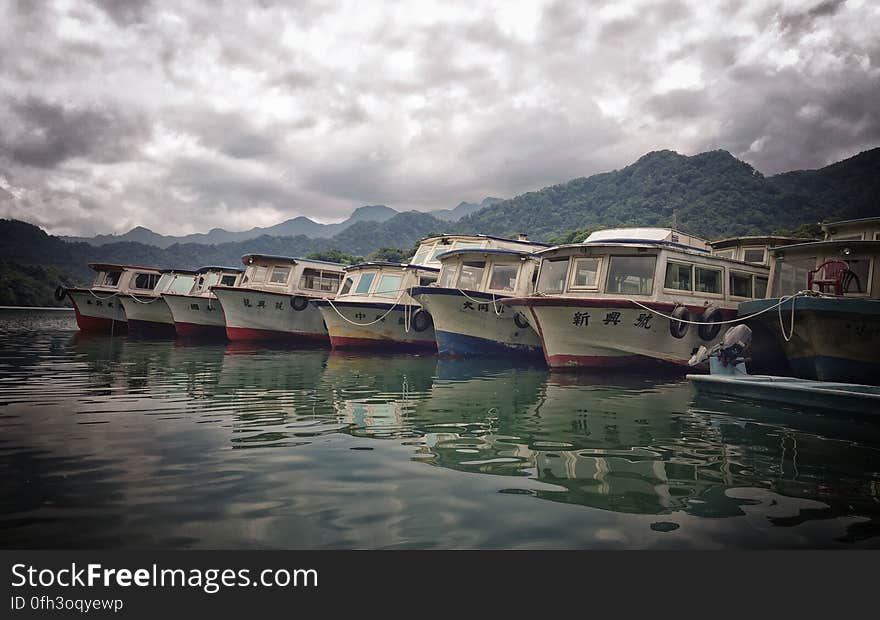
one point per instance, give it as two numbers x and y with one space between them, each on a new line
421 321
60 292
520 321
678 329
710 328
298 303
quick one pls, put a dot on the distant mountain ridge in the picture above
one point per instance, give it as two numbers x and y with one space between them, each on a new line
289 228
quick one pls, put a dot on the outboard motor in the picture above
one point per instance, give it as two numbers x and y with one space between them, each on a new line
727 357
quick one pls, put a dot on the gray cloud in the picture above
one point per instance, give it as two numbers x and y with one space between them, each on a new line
186 116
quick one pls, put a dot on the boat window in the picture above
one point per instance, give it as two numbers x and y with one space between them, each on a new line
877 236
791 275
111 278
389 286
426 280
422 254
721 254
847 238
447 275
227 280
280 274
857 284
753 255
366 281
631 274
471 275
181 284
146 281
346 286
586 273
259 273
740 284
707 280
503 278
438 250
552 277
760 287
679 276
318 280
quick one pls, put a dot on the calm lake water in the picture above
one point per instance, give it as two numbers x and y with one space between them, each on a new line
114 442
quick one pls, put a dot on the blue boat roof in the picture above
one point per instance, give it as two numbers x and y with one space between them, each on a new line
483 251
289 259
208 268
390 264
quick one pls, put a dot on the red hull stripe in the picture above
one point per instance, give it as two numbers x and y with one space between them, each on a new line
97 324
661 306
194 330
340 342
247 333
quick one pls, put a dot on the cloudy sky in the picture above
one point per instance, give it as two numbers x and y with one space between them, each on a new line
182 116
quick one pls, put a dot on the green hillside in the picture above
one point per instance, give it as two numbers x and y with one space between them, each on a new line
711 194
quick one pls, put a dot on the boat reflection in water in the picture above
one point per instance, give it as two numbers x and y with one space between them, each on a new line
637 445
365 451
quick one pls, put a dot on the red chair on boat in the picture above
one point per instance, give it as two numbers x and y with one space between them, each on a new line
834 273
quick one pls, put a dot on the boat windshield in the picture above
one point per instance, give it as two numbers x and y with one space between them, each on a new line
631 275
552 278
503 278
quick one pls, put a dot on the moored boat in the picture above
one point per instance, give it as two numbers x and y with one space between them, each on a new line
374 307
271 300
197 313
147 313
822 318
375 310
98 308
465 303
634 296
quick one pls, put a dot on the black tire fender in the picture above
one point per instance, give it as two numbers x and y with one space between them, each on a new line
421 320
710 328
520 321
299 303
60 292
676 328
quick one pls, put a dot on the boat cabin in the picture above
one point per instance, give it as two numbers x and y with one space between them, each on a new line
655 264
112 278
502 272
864 229
754 250
206 277
431 248
294 276
838 267
384 282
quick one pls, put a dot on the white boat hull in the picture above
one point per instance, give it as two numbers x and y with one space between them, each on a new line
398 329
97 311
148 315
196 316
613 334
472 325
258 315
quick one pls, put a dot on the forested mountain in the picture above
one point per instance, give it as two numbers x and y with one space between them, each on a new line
711 194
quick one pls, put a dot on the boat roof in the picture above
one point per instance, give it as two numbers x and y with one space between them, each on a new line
208 268
833 243
538 244
649 236
460 251
756 240
185 272
288 259
389 264
118 267
862 220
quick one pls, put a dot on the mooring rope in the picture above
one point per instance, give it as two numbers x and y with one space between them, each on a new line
740 319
